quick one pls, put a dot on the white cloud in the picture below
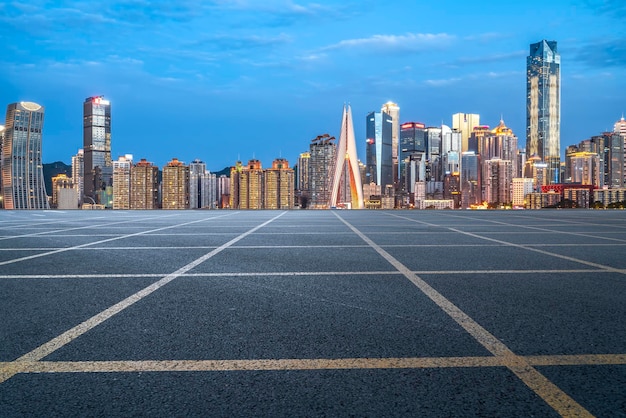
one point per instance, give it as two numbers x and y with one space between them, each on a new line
407 42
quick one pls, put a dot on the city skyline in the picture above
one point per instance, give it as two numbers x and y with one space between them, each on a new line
264 79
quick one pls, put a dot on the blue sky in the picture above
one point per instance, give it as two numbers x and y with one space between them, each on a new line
226 80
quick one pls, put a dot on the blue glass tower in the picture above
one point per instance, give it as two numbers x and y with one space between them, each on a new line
543 106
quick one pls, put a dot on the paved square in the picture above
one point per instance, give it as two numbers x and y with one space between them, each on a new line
313 313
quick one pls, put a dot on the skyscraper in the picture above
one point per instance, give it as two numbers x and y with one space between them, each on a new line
393 110
98 167
379 149
22 169
347 161
543 106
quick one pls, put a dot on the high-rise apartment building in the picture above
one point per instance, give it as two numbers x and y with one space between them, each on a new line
346 173
379 160
121 182
279 185
543 106
175 185
144 185
23 184
393 110
496 181
500 142
202 186
465 123
251 186
78 174
98 166
323 152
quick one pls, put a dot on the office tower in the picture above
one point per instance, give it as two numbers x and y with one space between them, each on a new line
520 158
347 161
412 141
379 163
496 181
175 185
279 185
202 186
465 123
323 152
583 167
519 189
98 166
23 184
393 110
543 106
78 174
470 179
121 182
144 185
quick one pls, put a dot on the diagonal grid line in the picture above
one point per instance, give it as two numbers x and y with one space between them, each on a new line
560 401
68 336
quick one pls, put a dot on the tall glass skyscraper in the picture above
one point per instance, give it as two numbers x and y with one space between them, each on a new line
98 166
23 185
543 106
379 149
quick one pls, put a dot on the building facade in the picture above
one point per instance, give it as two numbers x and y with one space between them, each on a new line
22 179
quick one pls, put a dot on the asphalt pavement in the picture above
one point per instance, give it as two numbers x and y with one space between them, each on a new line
313 313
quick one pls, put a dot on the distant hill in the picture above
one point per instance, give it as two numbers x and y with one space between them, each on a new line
54 169
225 171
